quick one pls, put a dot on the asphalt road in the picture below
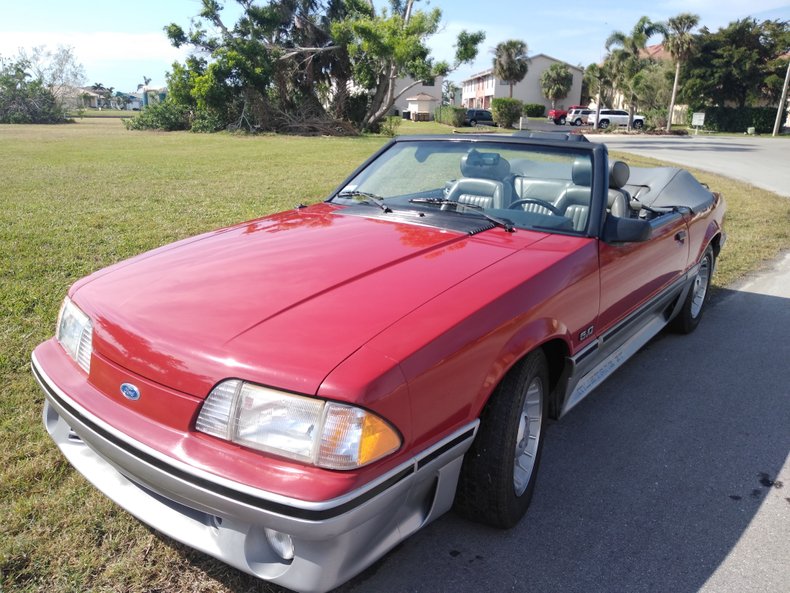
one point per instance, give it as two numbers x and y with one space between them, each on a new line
761 161
673 475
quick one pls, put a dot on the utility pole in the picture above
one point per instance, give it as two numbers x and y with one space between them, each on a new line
782 103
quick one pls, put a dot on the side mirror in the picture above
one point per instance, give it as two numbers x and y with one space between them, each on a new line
625 230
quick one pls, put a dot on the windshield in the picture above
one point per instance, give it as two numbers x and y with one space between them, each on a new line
526 186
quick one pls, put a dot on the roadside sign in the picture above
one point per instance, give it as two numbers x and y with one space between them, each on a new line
697 120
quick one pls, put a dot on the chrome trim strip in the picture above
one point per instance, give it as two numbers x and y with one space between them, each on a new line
339 504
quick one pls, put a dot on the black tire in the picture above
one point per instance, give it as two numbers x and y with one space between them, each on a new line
577 121
604 124
488 486
638 124
694 306
473 123
562 121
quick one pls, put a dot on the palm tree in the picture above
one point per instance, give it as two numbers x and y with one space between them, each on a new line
599 79
679 42
556 82
627 60
511 62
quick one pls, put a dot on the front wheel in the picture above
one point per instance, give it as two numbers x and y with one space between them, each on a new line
577 122
498 474
638 124
689 317
604 124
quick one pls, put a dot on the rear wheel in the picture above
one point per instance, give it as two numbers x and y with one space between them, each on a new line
577 121
562 121
638 124
473 123
498 475
689 317
604 124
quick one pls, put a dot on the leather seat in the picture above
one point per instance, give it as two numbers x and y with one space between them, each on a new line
575 201
619 201
483 183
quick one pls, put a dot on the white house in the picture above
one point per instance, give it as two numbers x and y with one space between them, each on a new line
479 90
431 90
421 106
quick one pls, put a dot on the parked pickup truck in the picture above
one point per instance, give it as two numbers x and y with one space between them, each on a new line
614 117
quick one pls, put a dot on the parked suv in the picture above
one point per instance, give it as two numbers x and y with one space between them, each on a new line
478 117
559 116
578 116
614 117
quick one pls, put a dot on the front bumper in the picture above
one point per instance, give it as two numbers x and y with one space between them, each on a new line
333 540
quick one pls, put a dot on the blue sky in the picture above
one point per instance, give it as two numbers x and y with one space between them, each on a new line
118 43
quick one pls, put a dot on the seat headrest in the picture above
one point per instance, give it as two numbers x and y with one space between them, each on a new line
619 172
582 172
488 165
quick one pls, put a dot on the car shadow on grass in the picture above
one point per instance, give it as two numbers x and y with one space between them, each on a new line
647 485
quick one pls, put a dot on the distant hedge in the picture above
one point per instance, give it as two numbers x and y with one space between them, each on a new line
737 119
506 111
449 115
534 109
167 115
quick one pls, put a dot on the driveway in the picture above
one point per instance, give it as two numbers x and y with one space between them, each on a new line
761 161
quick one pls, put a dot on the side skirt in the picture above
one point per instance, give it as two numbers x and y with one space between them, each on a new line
591 366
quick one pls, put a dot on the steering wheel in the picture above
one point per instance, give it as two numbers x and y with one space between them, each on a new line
547 205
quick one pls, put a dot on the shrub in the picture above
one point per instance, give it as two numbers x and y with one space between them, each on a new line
390 125
655 119
450 115
25 101
506 111
167 115
737 119
207 121
534 109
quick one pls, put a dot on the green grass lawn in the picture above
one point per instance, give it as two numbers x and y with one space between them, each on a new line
75 198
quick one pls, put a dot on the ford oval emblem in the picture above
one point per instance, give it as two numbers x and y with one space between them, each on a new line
130 391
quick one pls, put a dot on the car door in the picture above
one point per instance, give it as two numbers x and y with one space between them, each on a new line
633 275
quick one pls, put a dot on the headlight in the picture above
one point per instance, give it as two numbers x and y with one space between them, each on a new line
75 334
326 434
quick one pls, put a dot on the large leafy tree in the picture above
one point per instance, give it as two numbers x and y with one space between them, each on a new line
627 57
556 82
25 99
511 62
57 69
679 42
288 61
733 64
383 47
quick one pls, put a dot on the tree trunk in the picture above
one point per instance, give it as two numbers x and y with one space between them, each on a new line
511 90
598 106
674 96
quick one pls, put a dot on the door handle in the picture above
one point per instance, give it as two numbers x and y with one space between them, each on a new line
680 236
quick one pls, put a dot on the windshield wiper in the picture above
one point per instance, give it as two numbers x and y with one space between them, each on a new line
366 197
500 222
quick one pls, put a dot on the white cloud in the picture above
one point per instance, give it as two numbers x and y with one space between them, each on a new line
105 52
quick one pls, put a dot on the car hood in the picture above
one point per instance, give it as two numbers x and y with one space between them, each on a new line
280 300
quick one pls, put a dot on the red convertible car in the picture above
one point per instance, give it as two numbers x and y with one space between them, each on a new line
297 394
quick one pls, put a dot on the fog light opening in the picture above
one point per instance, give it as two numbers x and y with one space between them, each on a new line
281 543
